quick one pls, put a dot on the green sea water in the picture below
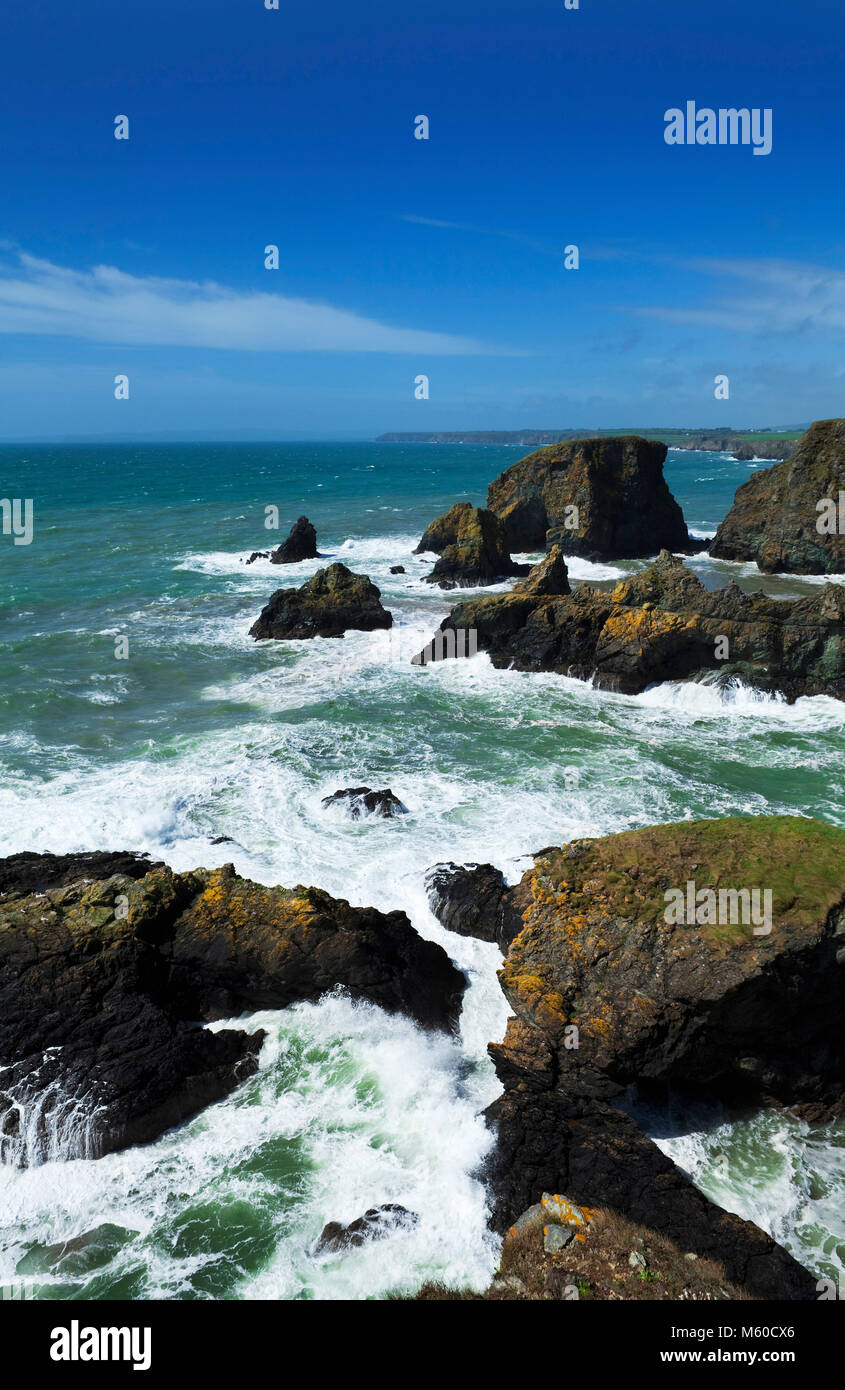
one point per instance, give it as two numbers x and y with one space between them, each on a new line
202 733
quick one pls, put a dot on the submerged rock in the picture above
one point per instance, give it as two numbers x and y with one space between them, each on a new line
397 569
375 1223
329 604
300 544
662 625
473 900
362 801
607 993
602 499
478 554
776 514
103 984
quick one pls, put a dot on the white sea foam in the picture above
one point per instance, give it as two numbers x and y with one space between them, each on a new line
378 1112
382 1112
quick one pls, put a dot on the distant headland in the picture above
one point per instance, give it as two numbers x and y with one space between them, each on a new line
743 444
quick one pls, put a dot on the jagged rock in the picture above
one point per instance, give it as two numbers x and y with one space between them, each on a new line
375 1223
329 604
670 1003
300 544
29 872
479 554
550 576
473 900
397 569
622 505
775 515
556 1238
362 801
444 531
102 985
258 555
662 624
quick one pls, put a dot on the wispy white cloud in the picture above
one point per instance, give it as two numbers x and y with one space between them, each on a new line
105 305
536 244
775 297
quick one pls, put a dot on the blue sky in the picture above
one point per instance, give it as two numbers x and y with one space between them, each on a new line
400 256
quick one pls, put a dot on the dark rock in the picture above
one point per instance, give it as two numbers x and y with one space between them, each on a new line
221 839
444 531
663 625
301 544
607 993
473 900
775 515
362 801
397 569
258 555
603 499
550 576
329 604
36 873
375 1223
597 1155
102 986
479 554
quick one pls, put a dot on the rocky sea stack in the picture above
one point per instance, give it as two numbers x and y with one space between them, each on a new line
301 544
472 549
601 499
329 604
663 625
787 518
104 983
607 993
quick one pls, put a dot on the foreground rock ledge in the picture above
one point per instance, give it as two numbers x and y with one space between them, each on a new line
99 1013
663 625
709 1007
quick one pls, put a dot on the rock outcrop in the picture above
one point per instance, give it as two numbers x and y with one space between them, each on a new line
601 499
300 544
662 624
30 872
443 530
560 1250
375 1223
333 601
360 802
788 518
473 900
103 984
610 987
477 555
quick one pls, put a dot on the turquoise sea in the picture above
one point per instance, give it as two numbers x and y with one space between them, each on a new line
201 733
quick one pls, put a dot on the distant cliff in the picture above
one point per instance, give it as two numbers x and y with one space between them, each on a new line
744 444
